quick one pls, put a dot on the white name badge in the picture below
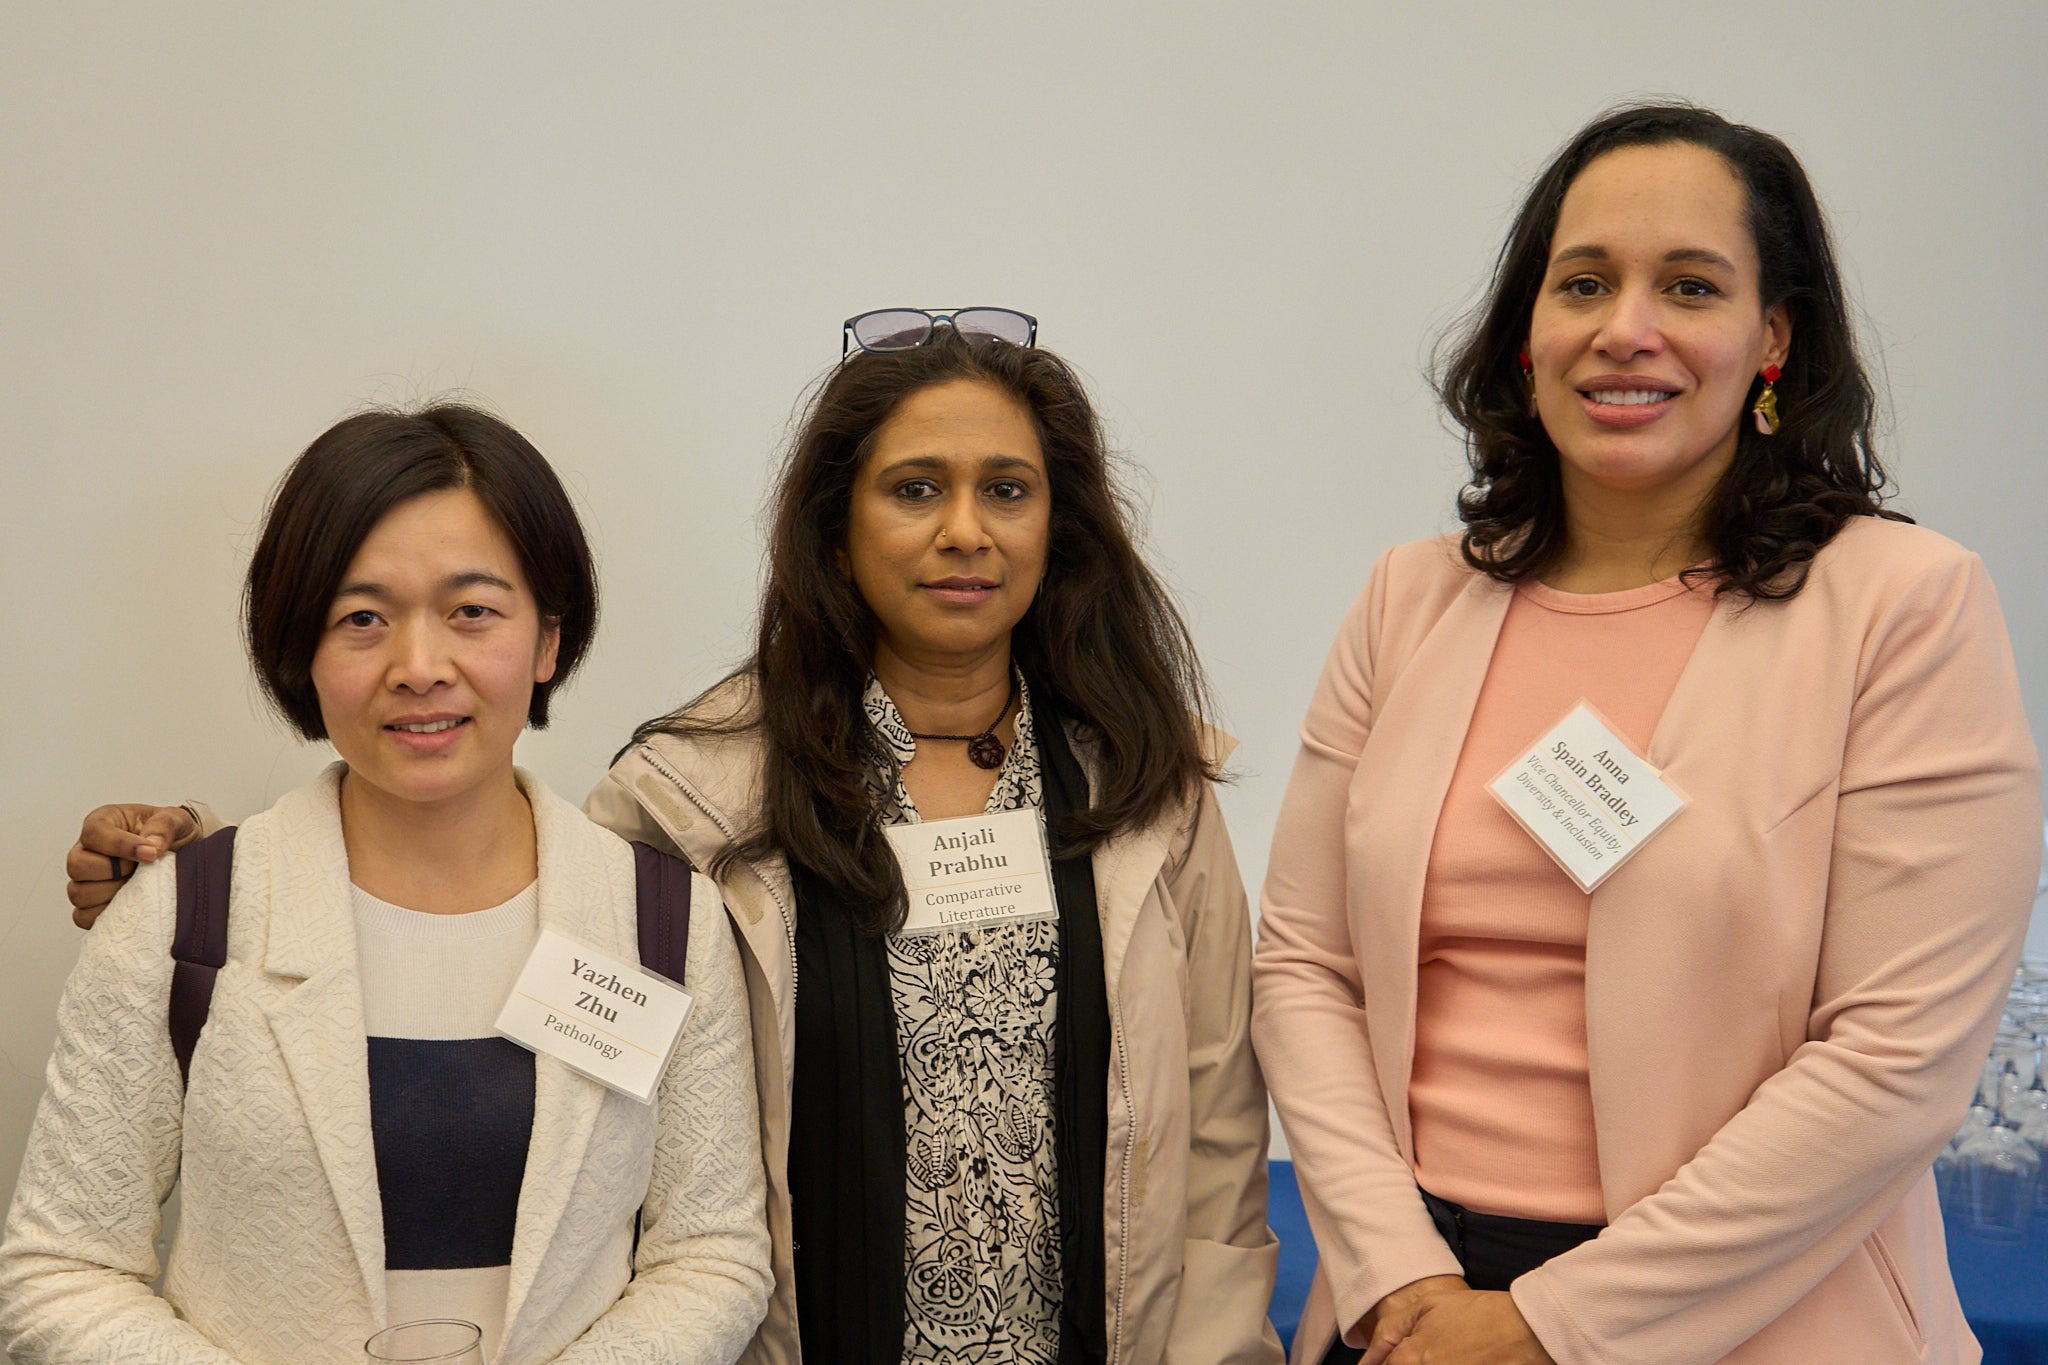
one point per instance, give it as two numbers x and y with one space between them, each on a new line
1586 797
610 1020
974 871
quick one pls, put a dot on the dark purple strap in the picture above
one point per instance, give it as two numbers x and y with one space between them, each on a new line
664 911
199 947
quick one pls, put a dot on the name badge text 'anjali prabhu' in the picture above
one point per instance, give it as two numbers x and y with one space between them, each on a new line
607 1019
974 871
1587 798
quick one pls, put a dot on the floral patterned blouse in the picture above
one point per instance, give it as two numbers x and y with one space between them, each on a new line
975 1013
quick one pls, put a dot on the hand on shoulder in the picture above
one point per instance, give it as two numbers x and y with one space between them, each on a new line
112 843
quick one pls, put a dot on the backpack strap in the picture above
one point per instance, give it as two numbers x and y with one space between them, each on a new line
663 882
199 947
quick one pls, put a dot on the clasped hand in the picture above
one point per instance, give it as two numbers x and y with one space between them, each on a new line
1439 1321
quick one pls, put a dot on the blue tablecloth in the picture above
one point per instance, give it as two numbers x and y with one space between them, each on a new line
2004 1288
1289 1221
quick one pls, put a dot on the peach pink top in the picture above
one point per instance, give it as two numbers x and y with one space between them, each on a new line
1501 1110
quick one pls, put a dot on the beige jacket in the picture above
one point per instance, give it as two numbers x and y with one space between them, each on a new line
1190 1260
1789 990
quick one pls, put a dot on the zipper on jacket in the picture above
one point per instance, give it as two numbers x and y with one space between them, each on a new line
732 837
1123 1187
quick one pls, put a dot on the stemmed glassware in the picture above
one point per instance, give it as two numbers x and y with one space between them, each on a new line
1991 1173
1997 1173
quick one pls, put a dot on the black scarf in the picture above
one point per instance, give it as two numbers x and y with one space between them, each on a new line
846 1145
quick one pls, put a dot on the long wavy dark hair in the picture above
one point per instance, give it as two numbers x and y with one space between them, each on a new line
1101 641
1783 496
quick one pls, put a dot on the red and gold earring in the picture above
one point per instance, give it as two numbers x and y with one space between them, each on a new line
1528 378
1766 408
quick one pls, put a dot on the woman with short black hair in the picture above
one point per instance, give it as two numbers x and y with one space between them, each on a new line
353 1143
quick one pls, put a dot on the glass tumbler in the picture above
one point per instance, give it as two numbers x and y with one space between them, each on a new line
432 1341
1996 1174
2019 1054
2033 1126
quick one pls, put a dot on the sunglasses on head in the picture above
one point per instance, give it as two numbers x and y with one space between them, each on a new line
901 329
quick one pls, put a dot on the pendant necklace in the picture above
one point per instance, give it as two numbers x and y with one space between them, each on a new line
983 750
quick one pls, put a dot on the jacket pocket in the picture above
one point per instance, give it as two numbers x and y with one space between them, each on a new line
1895 1285
1220 1305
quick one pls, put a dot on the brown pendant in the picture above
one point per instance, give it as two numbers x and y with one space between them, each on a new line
983 750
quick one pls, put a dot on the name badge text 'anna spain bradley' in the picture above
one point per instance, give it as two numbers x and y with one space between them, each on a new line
1587 798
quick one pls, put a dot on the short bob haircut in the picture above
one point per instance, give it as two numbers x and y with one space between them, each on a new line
1101 644
1783 496
342 486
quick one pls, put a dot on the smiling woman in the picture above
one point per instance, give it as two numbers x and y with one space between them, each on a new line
1750 250
1644 342
1679 1108
425 676
329 507
420 585
393 613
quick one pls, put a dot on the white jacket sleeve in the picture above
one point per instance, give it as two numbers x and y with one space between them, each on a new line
79 1251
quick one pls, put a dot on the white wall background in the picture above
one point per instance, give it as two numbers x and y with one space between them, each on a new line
633 229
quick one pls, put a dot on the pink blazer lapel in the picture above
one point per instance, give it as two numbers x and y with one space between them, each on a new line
1396 797
1664 968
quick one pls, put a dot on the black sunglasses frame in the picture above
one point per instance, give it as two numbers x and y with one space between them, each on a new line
933 317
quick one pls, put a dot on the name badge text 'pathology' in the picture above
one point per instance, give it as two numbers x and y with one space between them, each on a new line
605 1018
1586 797
974 871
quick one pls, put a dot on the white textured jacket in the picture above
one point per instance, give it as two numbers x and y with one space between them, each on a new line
1190 1259
280 1250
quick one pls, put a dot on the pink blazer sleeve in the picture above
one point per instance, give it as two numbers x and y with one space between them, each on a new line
1372 1233
1931 839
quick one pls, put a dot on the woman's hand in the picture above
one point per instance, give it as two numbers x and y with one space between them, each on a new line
1394 1316
1468 1327
132 833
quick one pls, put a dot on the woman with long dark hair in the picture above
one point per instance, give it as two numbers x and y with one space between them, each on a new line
1039 1137
1659 847
1039 1140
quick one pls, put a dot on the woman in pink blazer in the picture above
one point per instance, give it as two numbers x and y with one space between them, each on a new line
1688 1116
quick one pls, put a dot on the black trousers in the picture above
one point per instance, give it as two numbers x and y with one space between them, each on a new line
1492 1249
